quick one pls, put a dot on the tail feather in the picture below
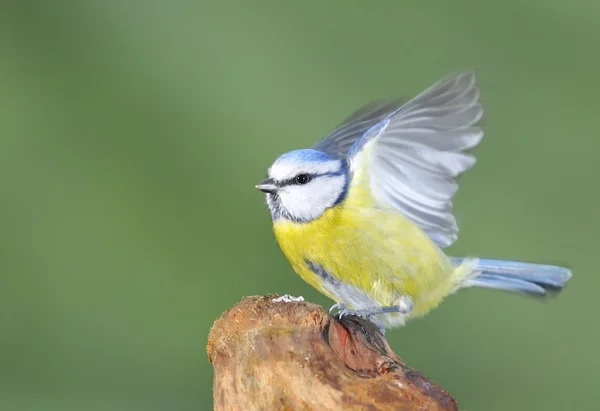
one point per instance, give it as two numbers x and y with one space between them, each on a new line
517 276
506 284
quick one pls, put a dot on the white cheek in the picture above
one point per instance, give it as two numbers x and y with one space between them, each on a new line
307 202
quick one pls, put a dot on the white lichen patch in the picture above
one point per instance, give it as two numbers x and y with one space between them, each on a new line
288 299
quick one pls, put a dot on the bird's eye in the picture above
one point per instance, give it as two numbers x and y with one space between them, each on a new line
302 178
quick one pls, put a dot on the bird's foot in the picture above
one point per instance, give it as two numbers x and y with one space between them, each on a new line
367 314
363 313
338 306
344 310
404 307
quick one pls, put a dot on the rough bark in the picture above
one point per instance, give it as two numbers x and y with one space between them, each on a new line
293 356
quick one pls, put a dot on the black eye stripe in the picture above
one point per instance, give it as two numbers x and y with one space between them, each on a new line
292 181
312 176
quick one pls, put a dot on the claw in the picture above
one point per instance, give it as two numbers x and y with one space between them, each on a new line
404 307
357 313
367 314
338 306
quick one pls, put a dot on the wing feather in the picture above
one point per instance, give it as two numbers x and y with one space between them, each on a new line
338 142
417 151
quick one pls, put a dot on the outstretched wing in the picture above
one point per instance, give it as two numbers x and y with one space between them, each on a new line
416 152
338 142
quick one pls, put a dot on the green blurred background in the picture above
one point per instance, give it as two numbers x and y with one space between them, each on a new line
132 134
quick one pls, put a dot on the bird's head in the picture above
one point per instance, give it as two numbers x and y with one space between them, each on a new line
302 184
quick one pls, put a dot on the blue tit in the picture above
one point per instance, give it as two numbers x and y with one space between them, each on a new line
365 213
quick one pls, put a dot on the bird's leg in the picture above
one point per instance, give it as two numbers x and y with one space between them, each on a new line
404 307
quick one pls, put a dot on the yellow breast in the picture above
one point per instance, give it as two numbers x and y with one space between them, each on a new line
369 249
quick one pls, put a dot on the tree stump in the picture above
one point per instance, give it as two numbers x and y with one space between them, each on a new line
292 355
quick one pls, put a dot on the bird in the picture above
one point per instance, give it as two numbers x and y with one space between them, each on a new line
365 214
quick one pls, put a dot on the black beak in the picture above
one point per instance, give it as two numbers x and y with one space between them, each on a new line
267 186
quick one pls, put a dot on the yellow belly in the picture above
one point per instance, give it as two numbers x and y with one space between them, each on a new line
376 251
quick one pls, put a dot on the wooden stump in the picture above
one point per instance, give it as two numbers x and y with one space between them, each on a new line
294 356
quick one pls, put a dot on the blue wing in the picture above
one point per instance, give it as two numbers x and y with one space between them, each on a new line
416 150
338 142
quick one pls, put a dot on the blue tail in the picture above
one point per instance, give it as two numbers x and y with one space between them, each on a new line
516 276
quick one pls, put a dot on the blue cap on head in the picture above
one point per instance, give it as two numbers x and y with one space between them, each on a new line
306 155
